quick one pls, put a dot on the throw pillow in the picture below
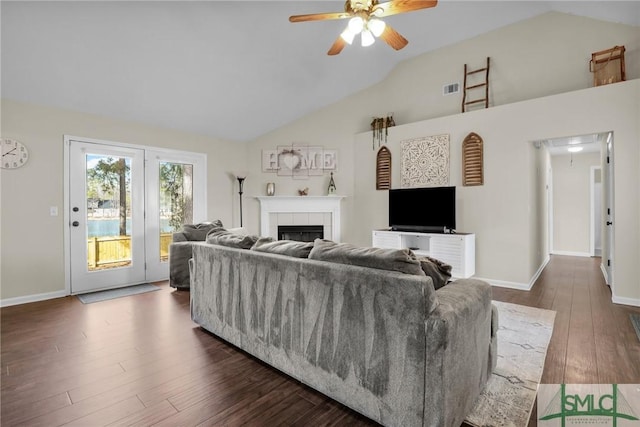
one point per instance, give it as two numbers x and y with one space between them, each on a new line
226 238
439 271
283 247
402 260
198 232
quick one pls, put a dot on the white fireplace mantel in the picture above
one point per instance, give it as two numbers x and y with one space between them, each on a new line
300 204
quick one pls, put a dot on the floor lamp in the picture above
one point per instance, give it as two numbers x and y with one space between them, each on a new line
240 184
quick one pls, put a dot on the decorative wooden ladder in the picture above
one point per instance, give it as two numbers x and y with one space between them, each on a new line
484 84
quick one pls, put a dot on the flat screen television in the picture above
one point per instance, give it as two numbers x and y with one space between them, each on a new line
431 209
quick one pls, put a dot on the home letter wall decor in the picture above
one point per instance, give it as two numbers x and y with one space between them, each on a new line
299 161
425 161
472 160
383 169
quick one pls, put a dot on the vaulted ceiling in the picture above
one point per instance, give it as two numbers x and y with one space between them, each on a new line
229 69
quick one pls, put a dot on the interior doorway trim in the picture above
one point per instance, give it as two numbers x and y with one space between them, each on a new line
593 225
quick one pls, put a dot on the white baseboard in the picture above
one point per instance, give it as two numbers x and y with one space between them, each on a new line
505 284
571 253
604 273
517 285
32 298
539 272
625 301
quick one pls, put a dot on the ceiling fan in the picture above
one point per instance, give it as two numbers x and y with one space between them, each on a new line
365 20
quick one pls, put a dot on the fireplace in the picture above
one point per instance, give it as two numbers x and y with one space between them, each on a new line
301 233
295 210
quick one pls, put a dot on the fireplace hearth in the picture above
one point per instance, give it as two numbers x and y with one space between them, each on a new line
301 233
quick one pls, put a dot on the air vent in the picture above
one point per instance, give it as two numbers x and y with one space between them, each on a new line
450 89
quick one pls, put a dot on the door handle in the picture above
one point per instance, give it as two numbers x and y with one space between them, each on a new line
609 223
75 223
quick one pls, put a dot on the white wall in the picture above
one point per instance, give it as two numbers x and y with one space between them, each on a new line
32 241
572 202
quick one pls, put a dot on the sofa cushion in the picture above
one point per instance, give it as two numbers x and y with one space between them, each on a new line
198 232
283 247
179 255
402 260
226 238
439 271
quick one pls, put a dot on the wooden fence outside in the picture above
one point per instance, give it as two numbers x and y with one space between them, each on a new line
103 252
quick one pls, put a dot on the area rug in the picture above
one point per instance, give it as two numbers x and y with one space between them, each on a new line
523 338
116 293
635 321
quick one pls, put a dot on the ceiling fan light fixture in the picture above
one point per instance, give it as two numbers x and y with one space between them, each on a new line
376 26
356 25
367 38
574 149
347 35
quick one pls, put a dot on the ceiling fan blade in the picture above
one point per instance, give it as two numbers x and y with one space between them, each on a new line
395 7
318 17
393 38
337 46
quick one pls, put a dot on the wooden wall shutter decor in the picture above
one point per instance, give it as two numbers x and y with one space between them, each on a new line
472 160
383 169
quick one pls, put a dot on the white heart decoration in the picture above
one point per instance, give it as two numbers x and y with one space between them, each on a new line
290 161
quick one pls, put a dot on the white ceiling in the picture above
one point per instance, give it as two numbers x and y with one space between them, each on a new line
229 69
559 146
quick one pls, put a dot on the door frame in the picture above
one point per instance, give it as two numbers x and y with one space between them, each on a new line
593 207
153 157
148 150
608 178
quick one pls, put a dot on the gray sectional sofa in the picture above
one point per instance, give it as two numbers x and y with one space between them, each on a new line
383 343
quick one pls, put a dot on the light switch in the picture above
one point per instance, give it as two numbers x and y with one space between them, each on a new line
53 210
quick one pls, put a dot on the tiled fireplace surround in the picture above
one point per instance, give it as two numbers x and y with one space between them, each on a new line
300 210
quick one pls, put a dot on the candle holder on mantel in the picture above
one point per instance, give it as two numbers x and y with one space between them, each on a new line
271 188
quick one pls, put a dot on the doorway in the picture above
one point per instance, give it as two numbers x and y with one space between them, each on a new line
122 204
581 197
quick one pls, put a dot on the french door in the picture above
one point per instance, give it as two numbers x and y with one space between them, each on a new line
107 234
124 202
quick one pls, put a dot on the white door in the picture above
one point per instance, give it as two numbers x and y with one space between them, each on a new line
106 203
176 195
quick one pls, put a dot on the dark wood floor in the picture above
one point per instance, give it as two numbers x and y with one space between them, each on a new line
141 361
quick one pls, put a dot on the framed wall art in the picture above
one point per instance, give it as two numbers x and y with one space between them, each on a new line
425 161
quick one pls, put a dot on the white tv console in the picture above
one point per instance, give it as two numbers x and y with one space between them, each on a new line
458 250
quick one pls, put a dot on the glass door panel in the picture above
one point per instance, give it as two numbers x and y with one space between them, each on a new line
108 222
176 201
177 196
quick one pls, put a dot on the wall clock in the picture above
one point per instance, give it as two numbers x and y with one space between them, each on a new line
14 154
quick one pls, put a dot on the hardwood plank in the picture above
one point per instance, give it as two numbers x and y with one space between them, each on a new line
109 414
148 416
24 411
